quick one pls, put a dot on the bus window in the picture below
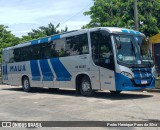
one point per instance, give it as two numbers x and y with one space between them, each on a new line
17 54
53 52
46 51
25 54
77 45
21 54
102 53
60 47
35 52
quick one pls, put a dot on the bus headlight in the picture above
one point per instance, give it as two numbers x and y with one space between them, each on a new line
127 74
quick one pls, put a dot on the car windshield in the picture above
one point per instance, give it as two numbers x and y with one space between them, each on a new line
127 49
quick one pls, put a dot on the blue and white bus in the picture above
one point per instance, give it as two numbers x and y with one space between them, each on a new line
87 60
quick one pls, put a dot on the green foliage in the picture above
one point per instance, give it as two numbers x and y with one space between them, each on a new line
43 31
120 13
7 39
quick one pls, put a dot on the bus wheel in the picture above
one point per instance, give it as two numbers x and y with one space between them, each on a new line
115 92
26 85
86 88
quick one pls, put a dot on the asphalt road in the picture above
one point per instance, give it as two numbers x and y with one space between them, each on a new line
65 105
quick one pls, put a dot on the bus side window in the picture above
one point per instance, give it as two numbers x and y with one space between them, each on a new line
77 45
83 40
46 51
102 53
94 47
17 54
53 52
60 47
21 54
25 54
35 52
70 46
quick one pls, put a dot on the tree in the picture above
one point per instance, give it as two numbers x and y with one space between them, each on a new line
120 13
7 39
43 31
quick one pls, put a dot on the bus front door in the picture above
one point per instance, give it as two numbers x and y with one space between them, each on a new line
102 55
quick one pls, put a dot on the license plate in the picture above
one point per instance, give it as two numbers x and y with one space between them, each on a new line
144 82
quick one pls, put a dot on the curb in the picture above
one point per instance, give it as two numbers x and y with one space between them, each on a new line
153 90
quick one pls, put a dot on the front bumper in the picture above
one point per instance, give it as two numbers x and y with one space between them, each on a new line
123 83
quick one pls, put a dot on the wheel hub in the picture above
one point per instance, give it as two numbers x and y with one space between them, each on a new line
85 86
26 84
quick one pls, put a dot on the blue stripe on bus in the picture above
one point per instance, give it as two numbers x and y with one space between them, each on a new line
125 31
34 42
55 37
46 39
132 32
43 40
62 73
138 33
35 70
46 71
5 73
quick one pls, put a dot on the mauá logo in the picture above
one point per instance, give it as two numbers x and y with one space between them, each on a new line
17 68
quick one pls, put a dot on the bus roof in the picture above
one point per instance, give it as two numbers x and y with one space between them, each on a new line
74 32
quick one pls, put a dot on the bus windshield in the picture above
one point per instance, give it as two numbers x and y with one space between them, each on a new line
144 50
132 50
127 50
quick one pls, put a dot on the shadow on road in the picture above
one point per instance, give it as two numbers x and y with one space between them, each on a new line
99 94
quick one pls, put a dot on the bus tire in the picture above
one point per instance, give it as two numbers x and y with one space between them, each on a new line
86 88
26 84
115 92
